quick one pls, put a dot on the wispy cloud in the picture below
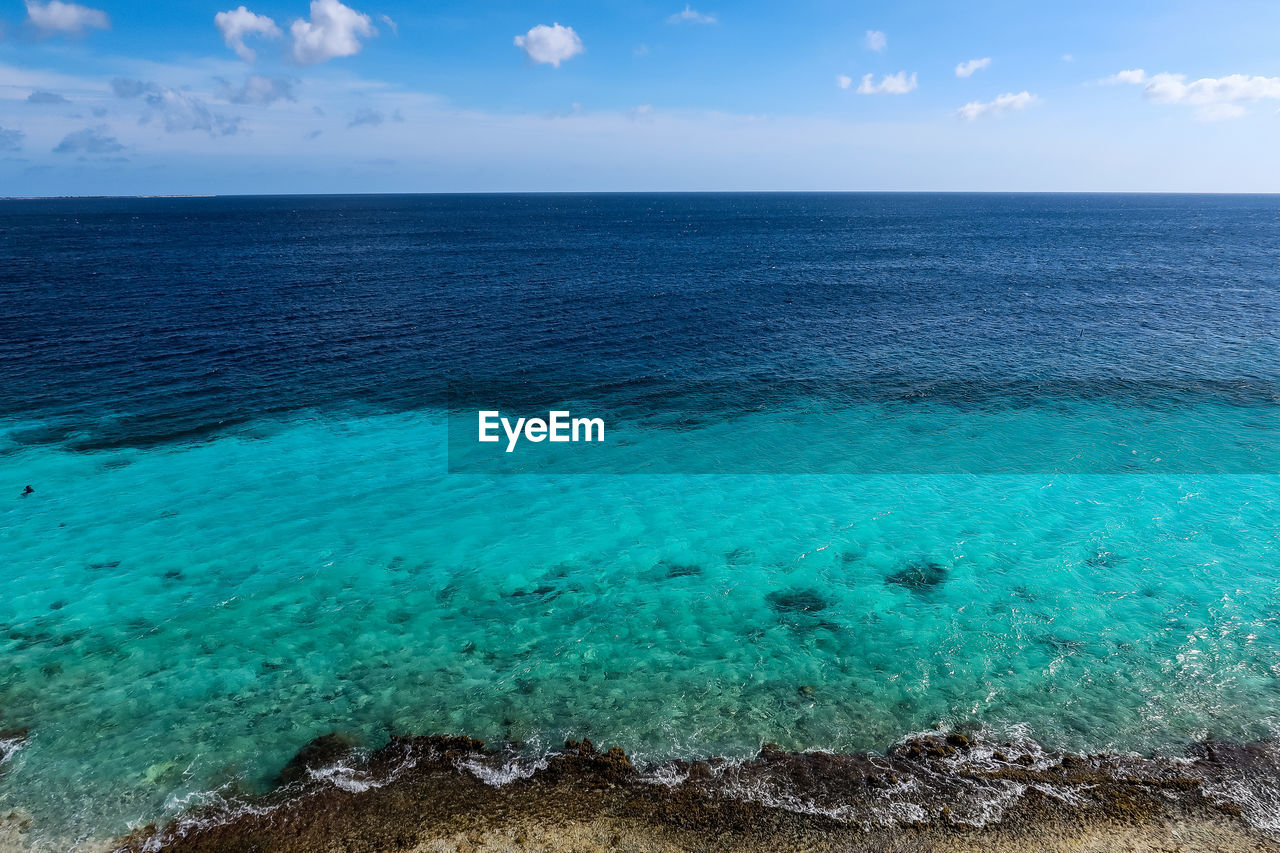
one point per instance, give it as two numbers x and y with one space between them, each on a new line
890 84
11 140
238 23
334 30
691 16
91 140
66 18
550 45
1008 102
41 97
391 25
844 81
966 69
366 117
258 89
180 111
876 40
1213 97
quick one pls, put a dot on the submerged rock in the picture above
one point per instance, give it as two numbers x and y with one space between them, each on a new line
324 751
681 570
919 576
796 601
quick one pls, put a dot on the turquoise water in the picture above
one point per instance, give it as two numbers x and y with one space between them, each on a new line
874 463
183 618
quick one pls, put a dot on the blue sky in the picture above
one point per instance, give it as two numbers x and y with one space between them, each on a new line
112 97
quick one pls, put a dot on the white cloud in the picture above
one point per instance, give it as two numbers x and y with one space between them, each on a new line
334 30
691 16
1214 97
966 69
550 45
876 40
1066 57
844 81
1007 102
70 18
1136 75
238 23
392 25
890 84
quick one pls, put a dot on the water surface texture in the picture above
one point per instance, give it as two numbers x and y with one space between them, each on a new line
1003 461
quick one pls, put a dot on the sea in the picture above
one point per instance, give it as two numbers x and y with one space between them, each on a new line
872 464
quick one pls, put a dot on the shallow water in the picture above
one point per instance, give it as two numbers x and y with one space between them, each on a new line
245 533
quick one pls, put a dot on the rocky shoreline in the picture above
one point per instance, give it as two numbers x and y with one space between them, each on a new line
947 791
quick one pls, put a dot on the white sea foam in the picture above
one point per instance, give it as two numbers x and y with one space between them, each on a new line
349 779
667 775
502 773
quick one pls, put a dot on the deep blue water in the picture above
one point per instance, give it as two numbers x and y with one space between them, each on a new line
136 321
1004 460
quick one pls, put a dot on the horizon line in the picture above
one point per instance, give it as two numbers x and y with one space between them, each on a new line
637 193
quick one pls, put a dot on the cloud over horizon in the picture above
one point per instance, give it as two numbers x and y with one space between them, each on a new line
180 111
42 97
91 140
258 89
11 140
1214 97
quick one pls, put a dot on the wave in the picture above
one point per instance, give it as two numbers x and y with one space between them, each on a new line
937 779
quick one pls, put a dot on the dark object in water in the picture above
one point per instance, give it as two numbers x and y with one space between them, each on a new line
324 751
796 601
681 570
28 491
919 575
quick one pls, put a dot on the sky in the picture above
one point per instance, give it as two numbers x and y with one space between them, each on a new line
119 97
